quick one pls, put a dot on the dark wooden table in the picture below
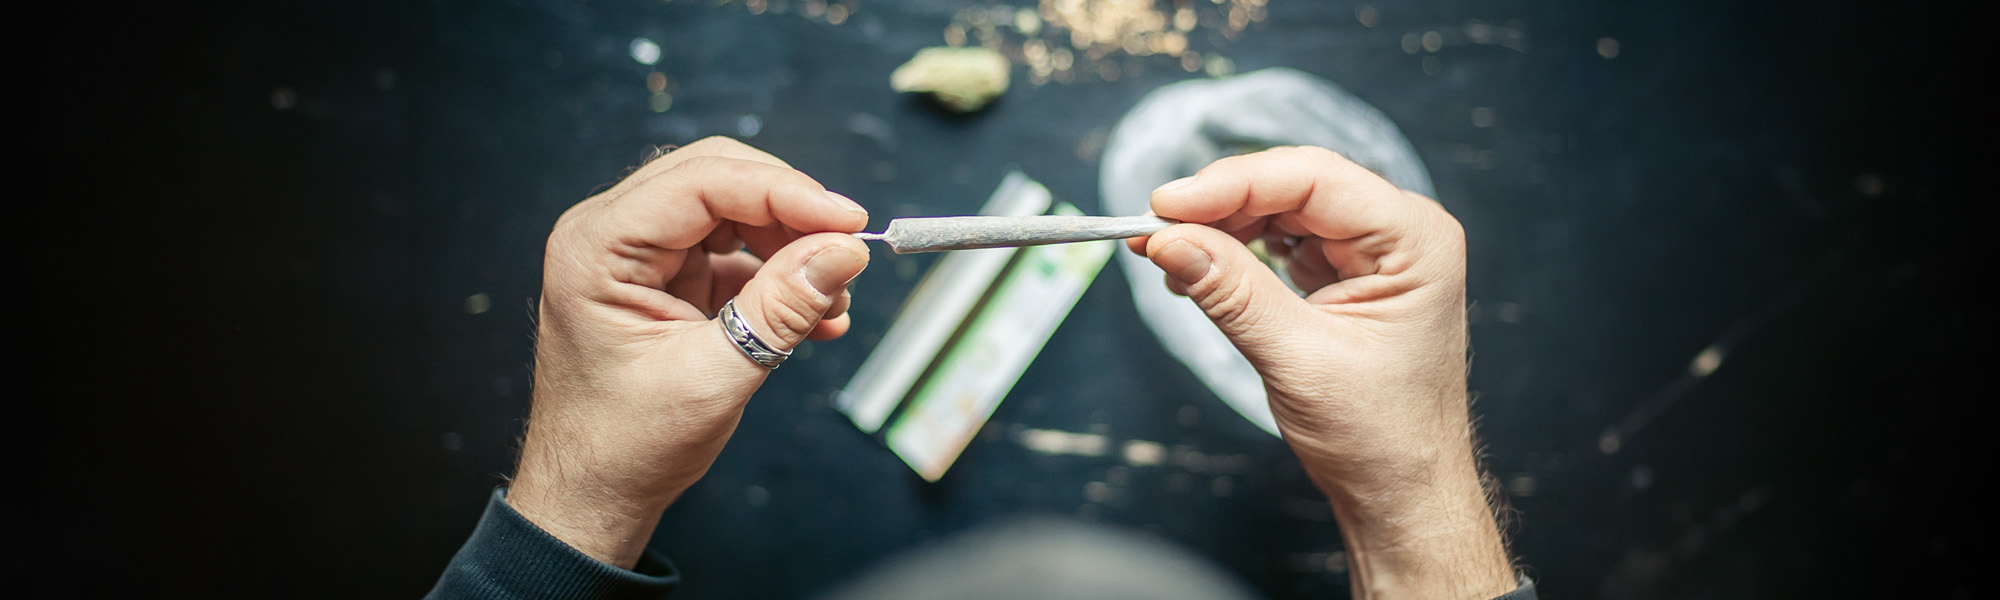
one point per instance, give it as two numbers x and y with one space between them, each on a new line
1721 277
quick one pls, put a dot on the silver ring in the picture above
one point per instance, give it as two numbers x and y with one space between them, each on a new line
739 333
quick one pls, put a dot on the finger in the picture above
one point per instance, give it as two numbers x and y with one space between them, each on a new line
1138 244
792 293
840 304
717 145
835 323
1308 266
1289 223
1276 244
694 282
764 241
679 207
830 328
731 271
1239 222
1336 198
723 240
1243 230
1333 197
1246 299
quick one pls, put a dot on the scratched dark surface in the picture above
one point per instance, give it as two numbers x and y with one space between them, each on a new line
258 371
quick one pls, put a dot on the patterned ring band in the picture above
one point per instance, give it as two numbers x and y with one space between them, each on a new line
739 333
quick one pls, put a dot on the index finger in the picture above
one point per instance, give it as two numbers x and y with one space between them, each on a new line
1333 197
714 145
677 208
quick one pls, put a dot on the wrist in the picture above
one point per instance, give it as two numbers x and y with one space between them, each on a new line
1419 529
599 520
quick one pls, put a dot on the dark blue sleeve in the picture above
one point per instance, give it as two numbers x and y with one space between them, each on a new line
508 557
1525 592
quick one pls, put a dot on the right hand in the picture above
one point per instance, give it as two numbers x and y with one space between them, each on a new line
1366 375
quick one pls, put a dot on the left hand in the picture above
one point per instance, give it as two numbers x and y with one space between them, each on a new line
637 388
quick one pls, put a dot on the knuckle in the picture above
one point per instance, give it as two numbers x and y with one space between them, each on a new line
1454 231
1442 224
1317 154
1229 303
1238 161
712 144
790 315
1314 157
701 162
711 164
1226 309
795 184
569 226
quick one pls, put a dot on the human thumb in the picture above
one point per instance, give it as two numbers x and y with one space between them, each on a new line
795 288
1245 298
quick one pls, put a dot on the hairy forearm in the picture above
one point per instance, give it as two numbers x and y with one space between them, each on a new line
1432 542
1421 530
588 515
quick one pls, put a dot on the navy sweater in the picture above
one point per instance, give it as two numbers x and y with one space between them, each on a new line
509 558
